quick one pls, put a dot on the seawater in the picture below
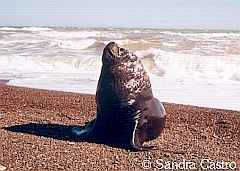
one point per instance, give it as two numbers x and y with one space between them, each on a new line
196 67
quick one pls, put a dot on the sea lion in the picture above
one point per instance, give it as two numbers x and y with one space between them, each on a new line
127 112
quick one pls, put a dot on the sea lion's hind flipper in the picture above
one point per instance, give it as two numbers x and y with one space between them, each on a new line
84 131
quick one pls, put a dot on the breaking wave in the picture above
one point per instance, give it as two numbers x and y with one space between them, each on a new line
32 29
200 34
156 61
181 66
76 44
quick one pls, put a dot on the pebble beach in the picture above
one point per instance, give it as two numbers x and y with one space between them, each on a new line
34 125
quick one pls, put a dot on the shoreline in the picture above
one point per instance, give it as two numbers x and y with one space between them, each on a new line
3 82
34 122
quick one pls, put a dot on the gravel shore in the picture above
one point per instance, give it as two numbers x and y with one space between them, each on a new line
34 126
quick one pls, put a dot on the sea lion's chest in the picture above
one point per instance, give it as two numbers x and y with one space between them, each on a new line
129 80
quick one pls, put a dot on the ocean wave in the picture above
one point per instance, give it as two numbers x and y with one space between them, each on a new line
169 44
156 61
203 35
76 44
57 64
112 35
82 34
97 45
34 29
135 45
236 76
182 65
8 28
25 42
69 34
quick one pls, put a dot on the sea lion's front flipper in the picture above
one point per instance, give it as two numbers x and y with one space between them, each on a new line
156 119
149 124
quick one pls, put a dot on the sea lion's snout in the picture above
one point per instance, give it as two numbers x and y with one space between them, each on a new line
110 53
113 54
112 48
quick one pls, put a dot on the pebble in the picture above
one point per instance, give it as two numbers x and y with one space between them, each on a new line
2 168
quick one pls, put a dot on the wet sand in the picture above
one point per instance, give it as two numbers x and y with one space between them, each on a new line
35 124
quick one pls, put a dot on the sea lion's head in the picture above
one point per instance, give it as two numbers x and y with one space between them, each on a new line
113 55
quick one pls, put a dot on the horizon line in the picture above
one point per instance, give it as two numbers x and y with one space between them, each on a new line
128 27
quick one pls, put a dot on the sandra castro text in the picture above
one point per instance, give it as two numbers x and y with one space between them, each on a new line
204 164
